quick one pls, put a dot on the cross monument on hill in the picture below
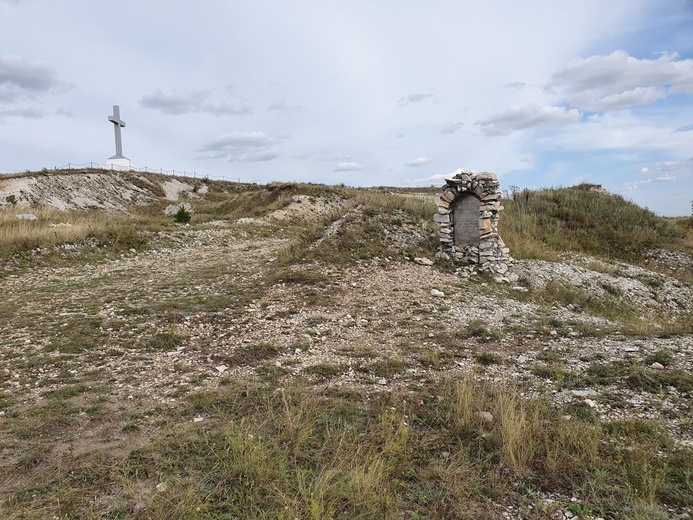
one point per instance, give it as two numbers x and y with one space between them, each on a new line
118 124
118 161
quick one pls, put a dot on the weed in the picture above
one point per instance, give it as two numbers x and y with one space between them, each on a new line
252 354
488 358
166 341
385 367
663 357
323 370
477 328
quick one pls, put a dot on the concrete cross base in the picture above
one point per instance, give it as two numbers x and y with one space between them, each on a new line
118 163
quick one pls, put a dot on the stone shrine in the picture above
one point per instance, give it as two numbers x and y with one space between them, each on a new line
467 216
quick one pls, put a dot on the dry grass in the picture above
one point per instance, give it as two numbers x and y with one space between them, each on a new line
299 452
539 224
55 228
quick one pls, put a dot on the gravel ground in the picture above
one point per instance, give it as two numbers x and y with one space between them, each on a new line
211 306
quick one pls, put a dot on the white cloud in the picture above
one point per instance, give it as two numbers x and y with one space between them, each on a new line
176 102
24 113
629 186
280 105
630 98
348 167
619 80
670 166
620 130
225 108
438 178
519 85
527 116
419 161
644 170
189 101
20 77
414 97
451 128
251 146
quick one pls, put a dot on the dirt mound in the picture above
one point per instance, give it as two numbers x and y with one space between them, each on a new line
110 191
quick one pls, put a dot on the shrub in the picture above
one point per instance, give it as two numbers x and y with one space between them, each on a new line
182 216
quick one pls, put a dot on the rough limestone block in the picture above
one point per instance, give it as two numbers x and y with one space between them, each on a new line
442 203
485 226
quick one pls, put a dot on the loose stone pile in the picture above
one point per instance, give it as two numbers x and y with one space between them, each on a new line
487 252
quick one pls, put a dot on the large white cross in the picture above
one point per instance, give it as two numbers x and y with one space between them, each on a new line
118 124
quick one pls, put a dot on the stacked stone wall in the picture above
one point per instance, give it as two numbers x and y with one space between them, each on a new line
489 253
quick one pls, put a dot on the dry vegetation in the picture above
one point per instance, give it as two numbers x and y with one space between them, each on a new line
297 368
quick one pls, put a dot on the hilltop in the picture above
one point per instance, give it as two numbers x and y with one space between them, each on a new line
95 189
281 356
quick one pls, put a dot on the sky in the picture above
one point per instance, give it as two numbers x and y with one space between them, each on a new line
544 93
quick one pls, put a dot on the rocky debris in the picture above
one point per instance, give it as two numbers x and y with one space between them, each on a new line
672 261
110 191
437 294
487 252
485 417
251 220
305 207
172 209
423 261
650 292
173 188
26 216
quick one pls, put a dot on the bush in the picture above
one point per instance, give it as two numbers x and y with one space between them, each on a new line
182 216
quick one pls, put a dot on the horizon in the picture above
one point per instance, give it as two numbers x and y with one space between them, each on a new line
364 95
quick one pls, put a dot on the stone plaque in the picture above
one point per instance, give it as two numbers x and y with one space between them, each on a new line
465 216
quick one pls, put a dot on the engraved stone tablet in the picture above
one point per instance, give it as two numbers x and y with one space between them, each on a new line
465 215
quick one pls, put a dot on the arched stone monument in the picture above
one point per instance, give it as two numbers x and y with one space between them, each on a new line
468 209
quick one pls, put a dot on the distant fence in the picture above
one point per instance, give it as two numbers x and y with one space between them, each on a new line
144 169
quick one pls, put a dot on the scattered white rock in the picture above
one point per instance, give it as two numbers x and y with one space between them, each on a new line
486 417
657 366
26 216
172 209
437 294
251 220
221 369
583 393
198 419
423 261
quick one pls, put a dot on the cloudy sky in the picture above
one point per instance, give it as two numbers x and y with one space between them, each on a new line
365 92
